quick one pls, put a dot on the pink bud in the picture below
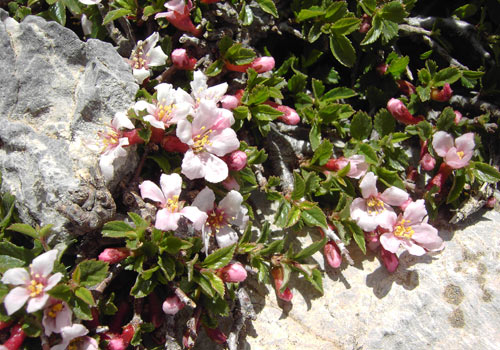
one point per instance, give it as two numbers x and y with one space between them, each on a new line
427 162
335 164
114 255
490 203
332 254
401 113
290 116
382 68
263 64
171 143
390 260
216 335
442 95
366 23
229 102
230 183
406 87
236 161
233 273
277 273
181 59
117 343
372 240
458 117
172 305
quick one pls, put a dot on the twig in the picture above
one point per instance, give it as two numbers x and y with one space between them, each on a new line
184 298
112 274
475 202
343 250
474 104
243 311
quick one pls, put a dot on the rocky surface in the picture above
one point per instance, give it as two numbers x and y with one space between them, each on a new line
448 301
57 93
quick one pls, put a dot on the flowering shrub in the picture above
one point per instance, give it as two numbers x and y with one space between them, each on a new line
362 144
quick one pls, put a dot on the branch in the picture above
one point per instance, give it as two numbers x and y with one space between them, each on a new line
475 105
475 202
242 312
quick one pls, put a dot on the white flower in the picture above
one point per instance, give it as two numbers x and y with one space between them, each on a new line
33 285
73 337
146 55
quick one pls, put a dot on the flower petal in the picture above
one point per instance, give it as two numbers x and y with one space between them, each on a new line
15 300
140 74
192 165
156 57
215 92
16 276
195 215
171 185
154 122
387 218
394 196
427 236
465 143
52 281
205 200
184 132
415 212
390 242
215 168
151 191
43 264
412 248
231 204
368 185
38 303
166 220
223 142
442 142
226 236
121 121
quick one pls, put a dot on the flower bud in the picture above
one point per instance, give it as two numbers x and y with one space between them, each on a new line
332 254
287 294
458 117
442 95
372 240
490 203
216 335
114 255
366 23
230 183
382 68
171 143
172 305
290 115
389 259
427 162
235 67
181 59
236 161
263 64
233 273
335 164
401 113
406 87
229 102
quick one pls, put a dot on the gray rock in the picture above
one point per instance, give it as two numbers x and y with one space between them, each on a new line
57 93
448 301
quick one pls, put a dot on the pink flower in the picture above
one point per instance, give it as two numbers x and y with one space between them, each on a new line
229 102
332 254
181 59
456 154
357 168
390 260
373 209
382 68
56 316
458 117
33 285
73 337
178 16
230 183
412 231
233 273
427 162
171 208
287 294
172 305
146 55
442 95
114 255
230 212
290 115
236 161
401 113
209 137
164 112
262 64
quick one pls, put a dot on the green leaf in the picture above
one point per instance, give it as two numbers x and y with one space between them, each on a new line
314 217
342 50
335 11
92 272
25 229
315 136
73 6
346 25
162 162
246 15
175 244
446 119
61 291
274 247
241 112
258 95
118 229
58 12
31 327
9 262
298 186
20 253
312 12
389 178
265 112
282 213
115 14
215 68
167 265
148 11
297 83
369 6
424 93
384 123
369 153
85 295
465 11
447 75
318 88
215 281
394 12
337 94
45 230
293 216
361 126
424 76
143 287
398 66
316 280
389 30
323 153
357 234
204 283
310 250
457 188
239 55
375 31
81 309
485 172
219 258
269 7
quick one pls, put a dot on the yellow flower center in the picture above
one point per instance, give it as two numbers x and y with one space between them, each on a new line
460 154
73 345
215 219
35 288
201 140
163 112
138 54
54 310
173 204
375 205
404 229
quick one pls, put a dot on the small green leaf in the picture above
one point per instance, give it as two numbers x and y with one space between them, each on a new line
369 6
346 25
357 234
312 12
61 291
310 250
45 230
167 265
219 258
175 244
215 281
342 50
148 11
448 75
465 11
318 88
457 188
424 93
293 216
58 12
335 11
269 7
215 68
314 217
73 6
274 247
92 272
384 123
369 153
298 186
424 76
398 66
239 55
361 126
81 309
9 262
315 136
297 83
375 31
258 95
446 119
118 229
20 253
142 287
246 15
337 94
85 295
282 213
485 172
24 229
323 153
115 14
265 112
